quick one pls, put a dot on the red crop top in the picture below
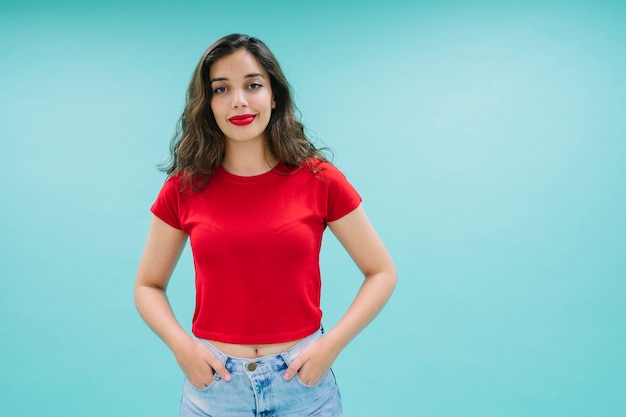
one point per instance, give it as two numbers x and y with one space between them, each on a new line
256 244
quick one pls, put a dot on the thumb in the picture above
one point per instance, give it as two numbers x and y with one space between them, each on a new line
221 370
293 369
218 367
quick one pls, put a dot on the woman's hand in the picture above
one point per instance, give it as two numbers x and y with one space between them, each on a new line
199 363
357 235
313 363
163 248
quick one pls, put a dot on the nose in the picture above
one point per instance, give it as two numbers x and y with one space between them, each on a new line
239 99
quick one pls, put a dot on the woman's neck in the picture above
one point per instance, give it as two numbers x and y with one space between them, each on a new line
248 159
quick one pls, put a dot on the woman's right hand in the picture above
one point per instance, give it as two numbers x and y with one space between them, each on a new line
163 248
199 363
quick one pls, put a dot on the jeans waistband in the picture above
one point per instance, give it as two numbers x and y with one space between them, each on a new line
264 363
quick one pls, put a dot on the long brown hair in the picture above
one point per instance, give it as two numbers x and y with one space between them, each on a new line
197 148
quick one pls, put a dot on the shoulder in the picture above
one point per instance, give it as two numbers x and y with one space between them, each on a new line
173 184
324 170
186 183
316 166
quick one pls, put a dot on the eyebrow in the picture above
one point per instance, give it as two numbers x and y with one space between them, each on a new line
254 74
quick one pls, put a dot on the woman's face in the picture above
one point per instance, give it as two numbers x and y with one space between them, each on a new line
242 100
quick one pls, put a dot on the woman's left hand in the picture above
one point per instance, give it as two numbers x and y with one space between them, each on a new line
313 363
358 236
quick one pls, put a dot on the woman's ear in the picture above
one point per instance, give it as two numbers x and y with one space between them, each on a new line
273 102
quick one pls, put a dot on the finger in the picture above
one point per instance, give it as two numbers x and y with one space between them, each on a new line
215 364
222 371
219 368
201 384
293 369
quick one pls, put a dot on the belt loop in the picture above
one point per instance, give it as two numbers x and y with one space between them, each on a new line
221 356
290 354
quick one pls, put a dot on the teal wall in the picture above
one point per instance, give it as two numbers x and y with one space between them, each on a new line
488 139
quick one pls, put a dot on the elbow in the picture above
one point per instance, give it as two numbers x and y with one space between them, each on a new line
386 276
392 275
137 295
143 289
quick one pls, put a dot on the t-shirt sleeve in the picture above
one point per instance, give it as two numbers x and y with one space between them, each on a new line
342 196
167 204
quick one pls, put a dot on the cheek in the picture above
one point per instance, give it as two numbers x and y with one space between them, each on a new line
217 116
213 106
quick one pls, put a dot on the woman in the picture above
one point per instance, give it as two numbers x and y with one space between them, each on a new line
254 195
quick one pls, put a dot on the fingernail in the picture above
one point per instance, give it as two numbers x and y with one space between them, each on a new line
287 377
227 377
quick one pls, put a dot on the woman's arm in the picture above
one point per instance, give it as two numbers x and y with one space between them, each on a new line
163 248
361 241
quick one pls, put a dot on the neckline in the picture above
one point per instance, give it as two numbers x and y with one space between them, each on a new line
250 179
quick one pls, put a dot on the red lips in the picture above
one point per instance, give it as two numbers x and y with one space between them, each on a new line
242 119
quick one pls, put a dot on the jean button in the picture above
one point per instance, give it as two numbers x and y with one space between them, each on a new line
251 366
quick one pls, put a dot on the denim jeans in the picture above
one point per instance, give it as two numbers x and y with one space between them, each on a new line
257 389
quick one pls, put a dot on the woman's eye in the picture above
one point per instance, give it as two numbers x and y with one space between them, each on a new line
255 85
219 90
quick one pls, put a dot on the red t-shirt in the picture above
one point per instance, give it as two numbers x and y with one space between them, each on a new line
256 244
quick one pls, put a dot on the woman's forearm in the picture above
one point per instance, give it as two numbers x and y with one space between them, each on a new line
369 301
155 309
163 248
318 357
361 241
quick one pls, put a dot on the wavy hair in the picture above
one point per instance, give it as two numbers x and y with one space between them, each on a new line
197 148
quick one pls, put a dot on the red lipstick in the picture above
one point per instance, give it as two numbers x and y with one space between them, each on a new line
242 119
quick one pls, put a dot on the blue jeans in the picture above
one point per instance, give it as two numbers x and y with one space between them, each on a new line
257 389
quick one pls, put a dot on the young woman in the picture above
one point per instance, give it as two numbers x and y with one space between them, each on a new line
254 195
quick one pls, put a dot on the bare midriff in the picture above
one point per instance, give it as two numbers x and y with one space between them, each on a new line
252 351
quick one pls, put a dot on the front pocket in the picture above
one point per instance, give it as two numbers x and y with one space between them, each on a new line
321 381
216 377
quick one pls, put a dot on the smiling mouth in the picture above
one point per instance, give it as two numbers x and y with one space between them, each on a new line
242 120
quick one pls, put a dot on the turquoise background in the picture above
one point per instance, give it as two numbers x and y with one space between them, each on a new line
488 139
